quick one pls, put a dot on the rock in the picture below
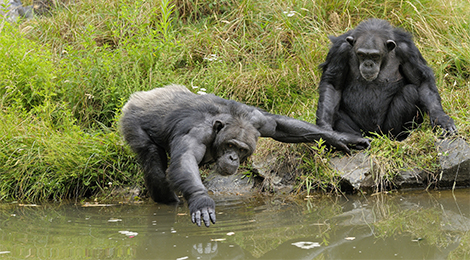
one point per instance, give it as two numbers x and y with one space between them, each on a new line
410 179
355 171
264 165
278 167
42 7
126 194
13 9
234 184
454 157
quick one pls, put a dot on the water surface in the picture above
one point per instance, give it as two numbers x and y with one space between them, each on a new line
404 225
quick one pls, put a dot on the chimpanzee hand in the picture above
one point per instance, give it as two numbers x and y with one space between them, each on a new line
446 123
343 140
202 207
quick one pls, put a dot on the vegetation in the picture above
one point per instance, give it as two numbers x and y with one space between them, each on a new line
65 76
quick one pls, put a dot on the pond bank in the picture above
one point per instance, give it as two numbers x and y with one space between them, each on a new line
357 172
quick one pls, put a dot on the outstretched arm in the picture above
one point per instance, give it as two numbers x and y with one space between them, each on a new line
187 152
290 130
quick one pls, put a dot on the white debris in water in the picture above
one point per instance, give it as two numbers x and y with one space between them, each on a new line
182 258
4 252
230 233
128 233
350 238
114 220
306 245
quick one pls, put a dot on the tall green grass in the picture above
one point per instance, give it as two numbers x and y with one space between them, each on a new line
64 77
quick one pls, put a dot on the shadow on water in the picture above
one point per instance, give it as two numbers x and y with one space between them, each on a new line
408 225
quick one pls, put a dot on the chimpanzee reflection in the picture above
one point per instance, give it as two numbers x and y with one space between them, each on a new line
170 236
206 250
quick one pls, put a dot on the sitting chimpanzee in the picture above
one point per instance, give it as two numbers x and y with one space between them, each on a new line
192 130
376 80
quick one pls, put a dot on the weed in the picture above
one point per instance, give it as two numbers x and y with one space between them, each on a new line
389 157
319 175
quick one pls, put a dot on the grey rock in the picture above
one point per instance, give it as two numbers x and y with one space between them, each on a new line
232 184
454 158
126 194
414 178
13 9
264 166
355 170
278 170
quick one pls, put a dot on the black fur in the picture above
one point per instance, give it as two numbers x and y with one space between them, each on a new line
192 130
376 80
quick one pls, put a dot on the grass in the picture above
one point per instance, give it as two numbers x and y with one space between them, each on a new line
65 76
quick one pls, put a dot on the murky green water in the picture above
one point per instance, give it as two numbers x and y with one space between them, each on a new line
408 225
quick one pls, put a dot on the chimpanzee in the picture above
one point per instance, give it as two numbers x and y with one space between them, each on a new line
191 130
375 80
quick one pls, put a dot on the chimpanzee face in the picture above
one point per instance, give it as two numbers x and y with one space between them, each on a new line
370 52
234 143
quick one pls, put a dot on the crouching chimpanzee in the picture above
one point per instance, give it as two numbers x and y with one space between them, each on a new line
376 80
192 130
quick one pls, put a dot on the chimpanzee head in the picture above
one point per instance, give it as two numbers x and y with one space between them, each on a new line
234 142
371 48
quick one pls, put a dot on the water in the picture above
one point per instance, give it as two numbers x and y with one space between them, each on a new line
408 225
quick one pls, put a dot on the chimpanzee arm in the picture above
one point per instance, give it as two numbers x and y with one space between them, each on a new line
335 70
432 103
290 130
328 104
417 72
186 152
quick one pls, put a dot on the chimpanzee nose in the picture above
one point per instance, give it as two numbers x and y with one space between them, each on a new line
233 157
368 64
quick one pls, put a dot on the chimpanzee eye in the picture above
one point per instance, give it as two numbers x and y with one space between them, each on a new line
375 56
230 145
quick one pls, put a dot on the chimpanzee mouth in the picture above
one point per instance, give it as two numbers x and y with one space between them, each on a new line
369 76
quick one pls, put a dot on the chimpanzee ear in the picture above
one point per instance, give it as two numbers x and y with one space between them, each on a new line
218 125
391 45
351 40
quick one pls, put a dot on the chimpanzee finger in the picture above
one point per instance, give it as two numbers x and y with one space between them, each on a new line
212 214
452 130
196 218
360 147
364 144
343 147
205 217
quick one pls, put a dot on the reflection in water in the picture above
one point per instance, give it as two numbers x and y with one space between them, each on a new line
408 225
